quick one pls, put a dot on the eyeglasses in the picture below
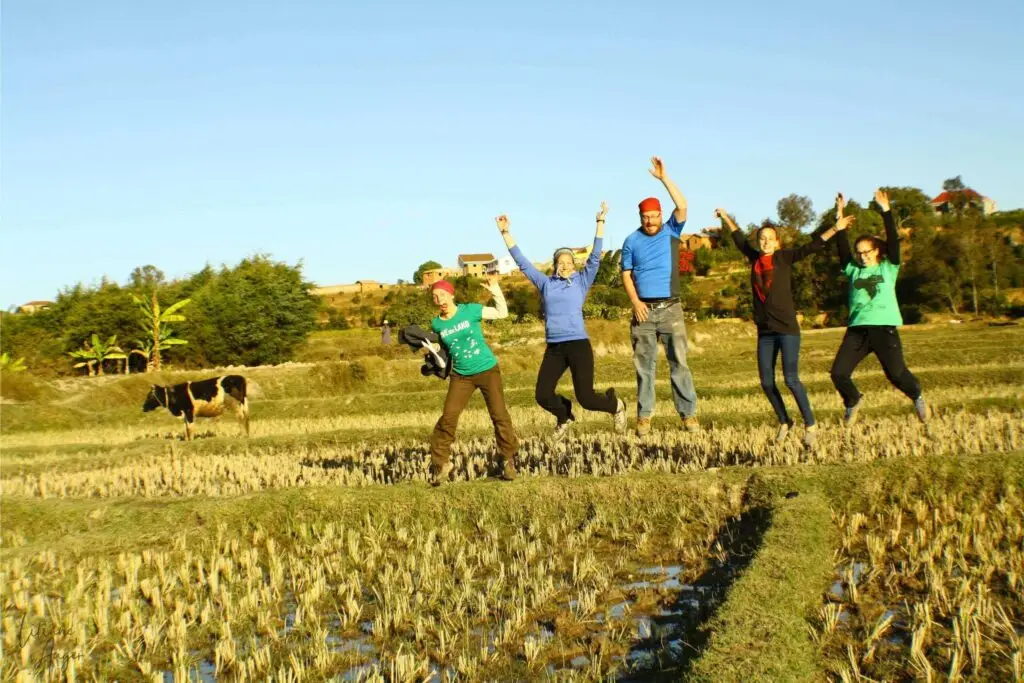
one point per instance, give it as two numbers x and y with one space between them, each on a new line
864 253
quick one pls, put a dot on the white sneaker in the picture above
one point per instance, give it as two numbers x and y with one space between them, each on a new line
921 408
620 417
561 430
783 432
810 436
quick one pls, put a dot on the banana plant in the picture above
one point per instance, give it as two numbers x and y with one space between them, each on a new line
154 325
144 347
92 355
9 364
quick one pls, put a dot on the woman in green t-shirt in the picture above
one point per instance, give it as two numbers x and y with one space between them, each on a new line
474 366
874 313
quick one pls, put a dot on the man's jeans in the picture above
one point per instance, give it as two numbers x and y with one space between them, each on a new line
667 325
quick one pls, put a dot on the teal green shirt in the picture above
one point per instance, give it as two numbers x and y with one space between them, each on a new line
464 339
873 294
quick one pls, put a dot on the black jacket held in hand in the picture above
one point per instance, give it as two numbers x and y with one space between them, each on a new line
435 363
777 313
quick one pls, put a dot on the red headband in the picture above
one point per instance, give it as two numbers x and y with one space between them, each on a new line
650 204
445 285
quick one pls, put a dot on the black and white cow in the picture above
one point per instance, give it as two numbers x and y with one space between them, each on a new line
205 398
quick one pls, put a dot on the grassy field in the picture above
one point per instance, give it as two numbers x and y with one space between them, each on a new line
315 549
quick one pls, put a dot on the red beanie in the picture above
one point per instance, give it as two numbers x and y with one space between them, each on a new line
650 204
445 285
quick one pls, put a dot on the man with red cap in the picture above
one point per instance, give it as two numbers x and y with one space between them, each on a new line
650 274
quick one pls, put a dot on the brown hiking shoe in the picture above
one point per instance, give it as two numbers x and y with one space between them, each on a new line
442 474
508 470
643 426
691 424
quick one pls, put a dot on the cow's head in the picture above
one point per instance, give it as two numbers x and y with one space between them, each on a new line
157 397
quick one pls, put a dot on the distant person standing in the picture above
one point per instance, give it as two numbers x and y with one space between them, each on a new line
778 332
874 313
385 333
568 347
650 275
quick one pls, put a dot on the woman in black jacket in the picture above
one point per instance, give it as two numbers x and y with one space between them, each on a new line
771 270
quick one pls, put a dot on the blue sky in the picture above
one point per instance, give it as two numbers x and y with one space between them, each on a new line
365 138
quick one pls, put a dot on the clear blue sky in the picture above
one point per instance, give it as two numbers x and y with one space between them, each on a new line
365 138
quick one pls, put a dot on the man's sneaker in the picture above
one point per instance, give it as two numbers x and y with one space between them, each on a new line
921 408
620 416
508 470
783 432
691 424
441 474
643 426
810 436
562 429
851 413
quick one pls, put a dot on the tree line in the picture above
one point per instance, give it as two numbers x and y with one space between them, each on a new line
260 311
255 313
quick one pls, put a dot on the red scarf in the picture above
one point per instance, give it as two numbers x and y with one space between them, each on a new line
763 272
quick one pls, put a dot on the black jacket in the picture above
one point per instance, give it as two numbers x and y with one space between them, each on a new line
777 313
435 363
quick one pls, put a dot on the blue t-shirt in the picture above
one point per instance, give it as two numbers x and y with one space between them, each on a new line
654 260
562 298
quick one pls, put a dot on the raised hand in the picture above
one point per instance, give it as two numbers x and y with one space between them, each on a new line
882 199
603 212
723 216
657 168
502 222
844 222
492 285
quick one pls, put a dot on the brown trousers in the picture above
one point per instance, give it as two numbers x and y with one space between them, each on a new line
460 389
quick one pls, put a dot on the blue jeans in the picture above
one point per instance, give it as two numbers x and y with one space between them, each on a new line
769 345
667 325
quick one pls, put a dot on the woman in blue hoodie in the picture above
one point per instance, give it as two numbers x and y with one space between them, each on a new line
562 295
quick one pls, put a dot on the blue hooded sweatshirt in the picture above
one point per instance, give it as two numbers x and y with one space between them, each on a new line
562 298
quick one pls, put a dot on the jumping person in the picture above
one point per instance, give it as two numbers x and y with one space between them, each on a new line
474 367
650 275
771 271
874 313
562 295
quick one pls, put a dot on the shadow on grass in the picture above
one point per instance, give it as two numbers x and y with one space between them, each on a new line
677 637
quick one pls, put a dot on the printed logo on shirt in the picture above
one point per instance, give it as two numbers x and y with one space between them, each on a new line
452 330
870 284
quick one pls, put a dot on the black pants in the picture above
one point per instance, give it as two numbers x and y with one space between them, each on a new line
884 342
578 356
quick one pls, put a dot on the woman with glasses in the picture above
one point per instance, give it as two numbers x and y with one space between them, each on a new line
874 313
778 332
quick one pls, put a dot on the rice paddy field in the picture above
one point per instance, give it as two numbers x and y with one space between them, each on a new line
316 550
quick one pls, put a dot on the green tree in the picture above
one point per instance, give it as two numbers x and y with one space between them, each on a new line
795 211
146 278
256 313
954 184
609 271
417 277
108 309
703 260
154 324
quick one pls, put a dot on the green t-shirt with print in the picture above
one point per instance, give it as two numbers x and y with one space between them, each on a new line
872 298
464 339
